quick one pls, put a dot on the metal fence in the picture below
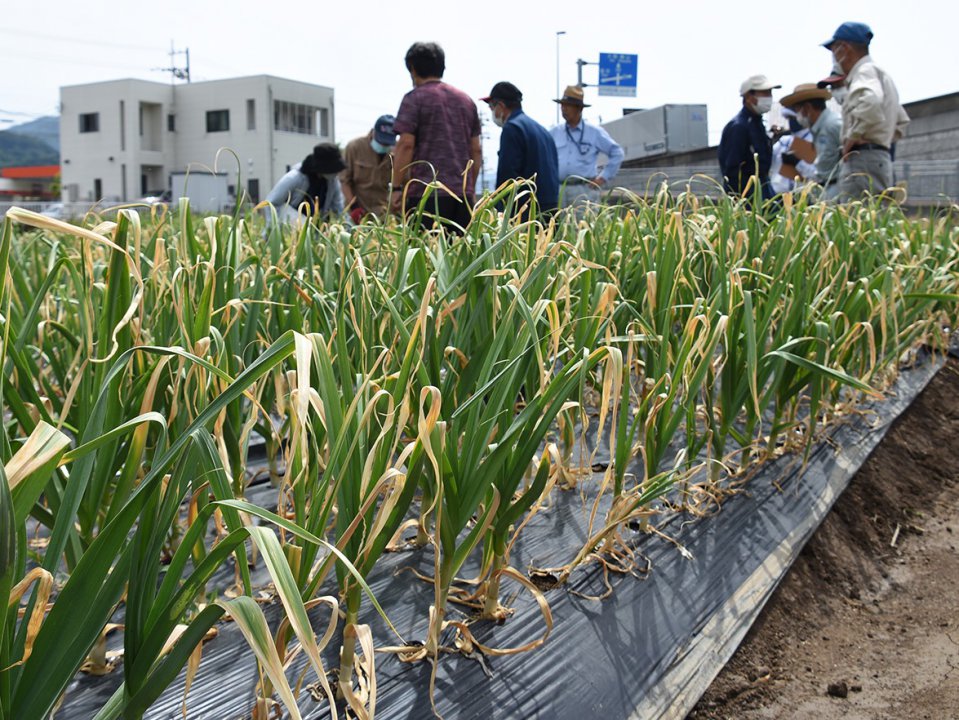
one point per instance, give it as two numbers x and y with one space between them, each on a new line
926 182
53 209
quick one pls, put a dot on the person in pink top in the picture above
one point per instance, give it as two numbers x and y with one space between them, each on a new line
439 140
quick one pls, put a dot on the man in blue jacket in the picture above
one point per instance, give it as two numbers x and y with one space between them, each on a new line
745 136
526 149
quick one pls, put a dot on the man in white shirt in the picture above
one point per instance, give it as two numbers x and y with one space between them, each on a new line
578 145
872 118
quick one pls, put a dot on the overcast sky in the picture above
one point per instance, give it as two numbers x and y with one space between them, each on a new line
689 52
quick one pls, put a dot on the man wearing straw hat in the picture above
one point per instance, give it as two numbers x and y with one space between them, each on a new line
808 101
745 144
872 118
578 145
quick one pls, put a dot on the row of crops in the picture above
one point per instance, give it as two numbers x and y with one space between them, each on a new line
406 385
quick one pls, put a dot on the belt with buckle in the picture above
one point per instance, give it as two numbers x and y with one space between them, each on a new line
870 146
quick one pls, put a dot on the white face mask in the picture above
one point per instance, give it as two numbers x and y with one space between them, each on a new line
497 120
763 105
803 120
379 148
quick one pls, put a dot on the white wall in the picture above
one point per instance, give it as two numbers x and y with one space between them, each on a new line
264 153
114 151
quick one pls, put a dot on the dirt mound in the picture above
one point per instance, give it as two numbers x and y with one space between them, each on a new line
866 623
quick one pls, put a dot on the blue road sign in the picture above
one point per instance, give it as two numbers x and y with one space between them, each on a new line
617 74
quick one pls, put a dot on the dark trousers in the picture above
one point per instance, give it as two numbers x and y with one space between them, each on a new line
454 213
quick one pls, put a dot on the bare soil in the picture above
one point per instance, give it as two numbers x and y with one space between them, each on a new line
866 623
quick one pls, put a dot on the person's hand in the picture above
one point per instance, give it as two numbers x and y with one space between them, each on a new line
356 214
599 181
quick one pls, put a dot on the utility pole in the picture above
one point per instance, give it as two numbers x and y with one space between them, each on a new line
579 72
558 33
177 73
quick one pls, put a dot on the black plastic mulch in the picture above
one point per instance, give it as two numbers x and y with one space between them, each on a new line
647 651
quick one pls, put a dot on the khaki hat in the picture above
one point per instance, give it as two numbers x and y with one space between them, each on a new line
757 82
804 92
572 95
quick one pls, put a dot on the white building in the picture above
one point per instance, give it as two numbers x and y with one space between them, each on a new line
121 140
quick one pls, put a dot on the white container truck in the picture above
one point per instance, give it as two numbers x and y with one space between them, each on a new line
208 192
660 130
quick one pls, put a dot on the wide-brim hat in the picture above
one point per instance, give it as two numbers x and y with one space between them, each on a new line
572 95
327 159
804 92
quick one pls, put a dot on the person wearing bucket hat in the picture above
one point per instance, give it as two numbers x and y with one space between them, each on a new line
808 101
526 149
311 185
872 117
369 167
578 146
745 142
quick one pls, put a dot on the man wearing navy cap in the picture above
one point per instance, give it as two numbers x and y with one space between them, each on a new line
369 167
526 149
872 118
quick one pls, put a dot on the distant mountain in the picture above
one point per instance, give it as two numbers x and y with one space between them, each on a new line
46 129
17 150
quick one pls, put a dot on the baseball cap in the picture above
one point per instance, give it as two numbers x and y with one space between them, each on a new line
757 82
505 91
854 32
383 131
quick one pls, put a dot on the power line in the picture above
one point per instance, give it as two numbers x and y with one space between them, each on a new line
79 41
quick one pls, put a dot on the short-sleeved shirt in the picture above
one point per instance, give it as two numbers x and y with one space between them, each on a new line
444 122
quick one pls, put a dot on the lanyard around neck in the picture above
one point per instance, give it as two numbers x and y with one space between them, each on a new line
583 147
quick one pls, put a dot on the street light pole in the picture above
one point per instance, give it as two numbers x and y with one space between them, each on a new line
558 33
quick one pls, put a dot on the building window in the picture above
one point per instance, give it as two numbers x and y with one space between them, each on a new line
217 121
251 114
171 122
323 122
89 122
298 118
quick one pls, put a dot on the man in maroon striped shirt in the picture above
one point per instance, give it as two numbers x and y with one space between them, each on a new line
439 131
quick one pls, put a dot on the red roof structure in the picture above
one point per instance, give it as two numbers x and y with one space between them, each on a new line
33 172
